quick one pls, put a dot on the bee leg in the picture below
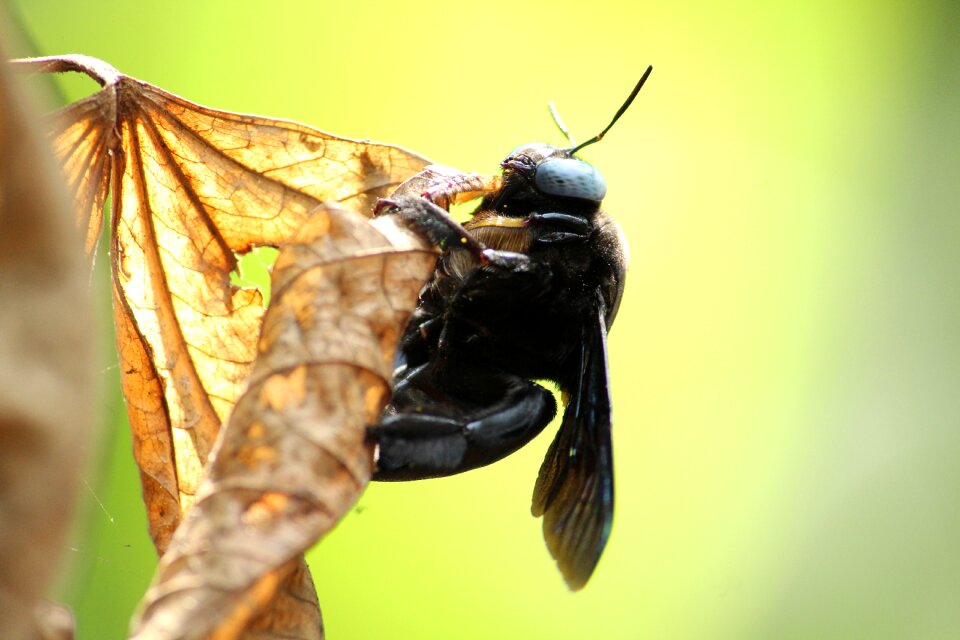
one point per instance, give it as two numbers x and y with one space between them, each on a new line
431 221
461 187
560 228
418 444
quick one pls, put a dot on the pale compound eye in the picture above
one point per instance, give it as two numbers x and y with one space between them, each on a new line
571 178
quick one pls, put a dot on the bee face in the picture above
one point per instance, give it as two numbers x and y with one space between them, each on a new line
554 172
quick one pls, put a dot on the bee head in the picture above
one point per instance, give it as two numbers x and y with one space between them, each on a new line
555 172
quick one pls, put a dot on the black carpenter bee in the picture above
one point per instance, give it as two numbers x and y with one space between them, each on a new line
525 290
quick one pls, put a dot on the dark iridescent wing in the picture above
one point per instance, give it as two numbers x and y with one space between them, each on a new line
574 491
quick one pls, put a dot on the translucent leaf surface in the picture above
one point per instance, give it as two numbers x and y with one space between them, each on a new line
192 187
293 458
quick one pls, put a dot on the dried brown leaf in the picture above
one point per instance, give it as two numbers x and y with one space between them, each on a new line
45 374
191 187
293 457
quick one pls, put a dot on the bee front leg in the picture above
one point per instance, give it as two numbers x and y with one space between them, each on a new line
431 221
446 186
441 230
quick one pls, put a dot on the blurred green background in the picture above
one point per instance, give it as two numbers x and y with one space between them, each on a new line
786 363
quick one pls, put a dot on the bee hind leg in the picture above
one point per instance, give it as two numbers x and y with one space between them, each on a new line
449 438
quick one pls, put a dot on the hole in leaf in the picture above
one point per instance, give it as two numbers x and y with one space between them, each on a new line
253 270
464 211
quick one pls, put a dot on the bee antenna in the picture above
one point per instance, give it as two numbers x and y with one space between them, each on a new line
557 121
626 105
